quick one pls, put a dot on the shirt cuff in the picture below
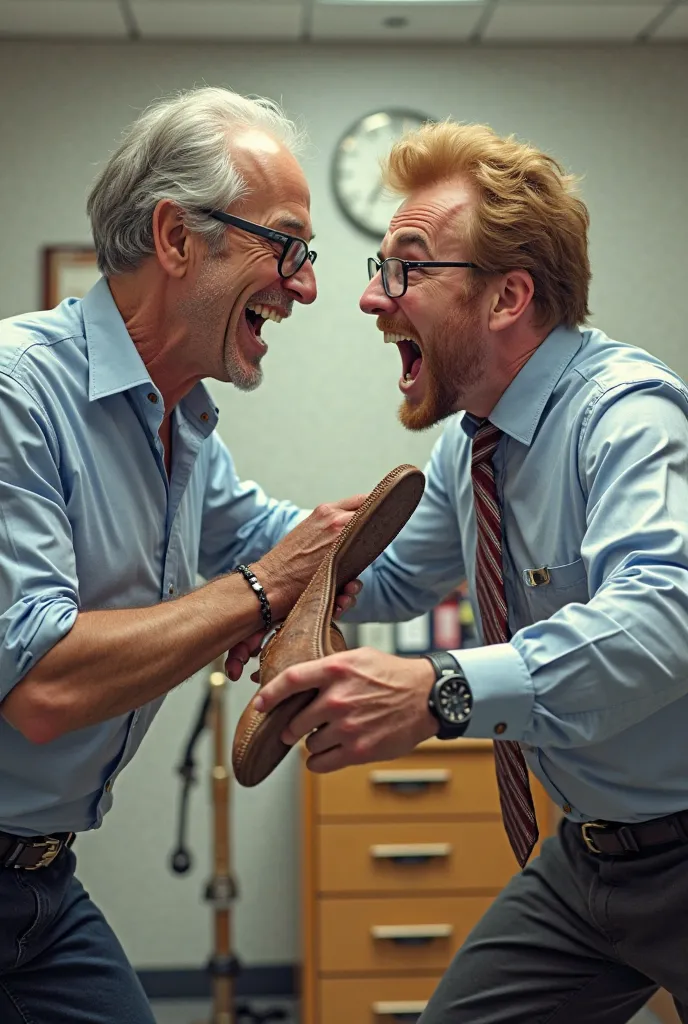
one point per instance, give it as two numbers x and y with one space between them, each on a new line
503 694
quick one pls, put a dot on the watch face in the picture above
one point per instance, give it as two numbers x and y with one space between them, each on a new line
454 700
356 172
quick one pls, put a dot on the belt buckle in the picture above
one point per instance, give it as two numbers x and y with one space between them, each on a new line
587 839
52 848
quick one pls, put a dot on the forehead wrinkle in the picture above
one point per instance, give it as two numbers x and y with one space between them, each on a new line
434 218
292 224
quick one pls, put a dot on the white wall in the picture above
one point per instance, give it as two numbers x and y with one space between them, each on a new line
324 422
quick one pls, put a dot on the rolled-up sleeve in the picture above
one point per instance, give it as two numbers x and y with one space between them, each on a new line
39 594
592 670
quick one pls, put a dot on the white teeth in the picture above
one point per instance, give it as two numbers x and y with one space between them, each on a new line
394 339
265 312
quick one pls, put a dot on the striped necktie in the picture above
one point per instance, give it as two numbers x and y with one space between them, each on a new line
518 811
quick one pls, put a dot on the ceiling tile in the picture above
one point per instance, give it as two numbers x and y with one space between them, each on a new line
61 18
213 20
396 22
568 22
675 26
195 4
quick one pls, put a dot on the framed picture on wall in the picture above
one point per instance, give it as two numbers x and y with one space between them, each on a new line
68 270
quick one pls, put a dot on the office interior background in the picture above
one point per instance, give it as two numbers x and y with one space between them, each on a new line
601 84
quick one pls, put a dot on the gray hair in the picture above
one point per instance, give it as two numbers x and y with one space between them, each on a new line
176 149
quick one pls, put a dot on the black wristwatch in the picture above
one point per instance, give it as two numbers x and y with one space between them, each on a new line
450 700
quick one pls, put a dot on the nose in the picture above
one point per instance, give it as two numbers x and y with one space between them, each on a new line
375 299
302 284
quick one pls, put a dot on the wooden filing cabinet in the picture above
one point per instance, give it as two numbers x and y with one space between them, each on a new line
400 860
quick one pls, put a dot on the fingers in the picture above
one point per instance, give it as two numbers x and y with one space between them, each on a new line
346 599
321 739
330 761
344 604
233 669
255 642
307 676
311 722
240 654
351 504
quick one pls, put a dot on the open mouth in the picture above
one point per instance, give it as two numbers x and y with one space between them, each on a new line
256 315
411 356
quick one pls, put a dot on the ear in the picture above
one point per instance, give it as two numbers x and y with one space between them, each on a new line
172 240
510 299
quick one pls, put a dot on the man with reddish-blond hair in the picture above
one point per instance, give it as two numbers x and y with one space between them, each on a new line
559 490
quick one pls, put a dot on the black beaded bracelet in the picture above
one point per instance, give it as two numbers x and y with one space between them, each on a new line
265 609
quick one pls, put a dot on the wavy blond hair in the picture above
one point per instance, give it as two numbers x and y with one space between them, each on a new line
526 214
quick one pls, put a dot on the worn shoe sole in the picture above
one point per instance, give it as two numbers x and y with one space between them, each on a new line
308 632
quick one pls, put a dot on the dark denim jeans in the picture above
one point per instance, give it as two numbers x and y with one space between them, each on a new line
60 962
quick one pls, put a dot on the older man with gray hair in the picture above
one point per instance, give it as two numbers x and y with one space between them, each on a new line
116 493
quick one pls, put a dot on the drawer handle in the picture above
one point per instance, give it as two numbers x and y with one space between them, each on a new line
403 1012
409 782
411 934
410 853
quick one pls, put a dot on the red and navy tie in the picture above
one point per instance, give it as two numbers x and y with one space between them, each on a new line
518 810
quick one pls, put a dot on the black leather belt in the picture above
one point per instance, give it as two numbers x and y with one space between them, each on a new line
616 839
32 852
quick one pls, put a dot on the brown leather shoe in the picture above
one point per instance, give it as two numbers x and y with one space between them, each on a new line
308 632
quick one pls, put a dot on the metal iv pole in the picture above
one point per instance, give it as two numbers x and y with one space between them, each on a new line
221 890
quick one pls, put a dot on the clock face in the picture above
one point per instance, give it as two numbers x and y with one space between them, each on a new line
455 700
356 172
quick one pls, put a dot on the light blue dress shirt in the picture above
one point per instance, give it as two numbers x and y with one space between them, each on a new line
592 476
88 520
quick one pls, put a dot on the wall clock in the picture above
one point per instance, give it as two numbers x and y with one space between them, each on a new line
356 179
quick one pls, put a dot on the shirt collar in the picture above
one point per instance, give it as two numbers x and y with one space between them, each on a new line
520 408
113 361
114 364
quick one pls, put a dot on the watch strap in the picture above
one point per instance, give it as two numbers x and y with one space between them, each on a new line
443 661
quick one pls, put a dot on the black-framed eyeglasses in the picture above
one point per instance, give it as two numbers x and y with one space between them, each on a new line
295 250
395 272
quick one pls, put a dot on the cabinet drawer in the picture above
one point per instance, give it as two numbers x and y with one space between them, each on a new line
421 856
421 785
418 934
374 1001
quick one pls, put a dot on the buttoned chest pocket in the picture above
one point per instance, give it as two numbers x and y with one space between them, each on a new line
549 588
